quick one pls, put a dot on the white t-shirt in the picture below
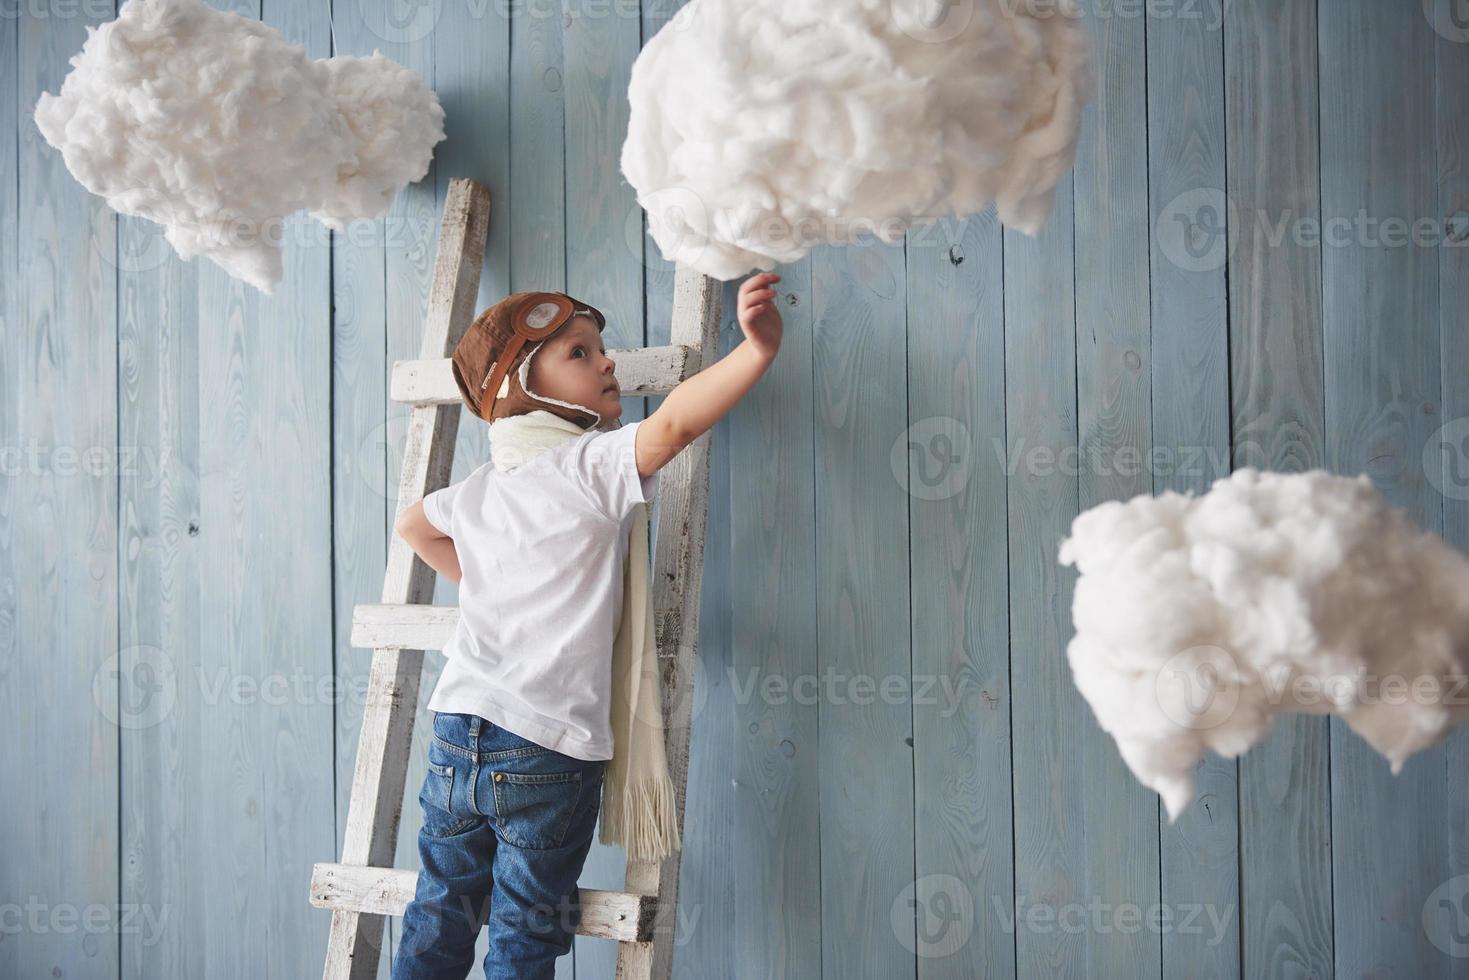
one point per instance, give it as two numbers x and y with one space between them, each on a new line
542 549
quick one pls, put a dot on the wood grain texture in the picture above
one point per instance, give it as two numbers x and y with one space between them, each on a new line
67 680
375 265
1114 372
865 769
264 523
1447 920
1276 408
1049 720
257 453
15 834
1189 317
750 876
1382 363
619 916
950 460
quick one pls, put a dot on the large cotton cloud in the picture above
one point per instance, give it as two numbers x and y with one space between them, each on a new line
216 127
1199 619
759 128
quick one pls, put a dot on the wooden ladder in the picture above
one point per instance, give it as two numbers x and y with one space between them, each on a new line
364 887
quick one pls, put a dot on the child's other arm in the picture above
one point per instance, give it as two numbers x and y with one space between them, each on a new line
694 405
434 547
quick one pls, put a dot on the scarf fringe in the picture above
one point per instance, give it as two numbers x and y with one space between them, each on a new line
642 818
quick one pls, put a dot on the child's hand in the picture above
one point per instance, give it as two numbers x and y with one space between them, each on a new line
759 317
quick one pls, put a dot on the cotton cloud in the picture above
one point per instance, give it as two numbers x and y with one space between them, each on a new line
760 128
1199 619
216 127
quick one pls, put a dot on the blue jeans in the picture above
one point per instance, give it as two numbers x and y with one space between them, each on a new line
507 825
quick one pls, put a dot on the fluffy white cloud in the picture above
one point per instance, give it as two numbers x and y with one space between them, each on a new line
1200 619
216 127
760 128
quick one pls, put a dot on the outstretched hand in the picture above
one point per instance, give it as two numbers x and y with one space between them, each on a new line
758 315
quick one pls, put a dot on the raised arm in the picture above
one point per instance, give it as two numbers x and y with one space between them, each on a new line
694 405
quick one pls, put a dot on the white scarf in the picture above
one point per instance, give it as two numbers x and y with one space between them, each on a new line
638 810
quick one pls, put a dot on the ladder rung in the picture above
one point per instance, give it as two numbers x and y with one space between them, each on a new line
621 916
414 626
640 371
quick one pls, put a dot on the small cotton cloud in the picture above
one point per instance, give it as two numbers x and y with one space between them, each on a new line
758 129
216 127
1200 619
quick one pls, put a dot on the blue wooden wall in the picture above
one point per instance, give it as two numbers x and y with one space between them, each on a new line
892 774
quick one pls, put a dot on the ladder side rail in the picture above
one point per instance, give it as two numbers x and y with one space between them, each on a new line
678 566
386 741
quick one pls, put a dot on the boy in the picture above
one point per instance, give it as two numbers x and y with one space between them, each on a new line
537 540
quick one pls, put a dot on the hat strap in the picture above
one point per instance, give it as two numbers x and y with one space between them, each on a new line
498 370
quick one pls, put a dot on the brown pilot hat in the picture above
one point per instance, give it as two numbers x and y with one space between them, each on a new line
491 360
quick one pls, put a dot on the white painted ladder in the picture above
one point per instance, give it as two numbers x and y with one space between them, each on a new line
364 887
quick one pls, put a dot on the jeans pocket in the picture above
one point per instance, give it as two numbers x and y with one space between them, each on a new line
534 809
437 800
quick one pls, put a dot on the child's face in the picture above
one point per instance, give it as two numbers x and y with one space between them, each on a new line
574 367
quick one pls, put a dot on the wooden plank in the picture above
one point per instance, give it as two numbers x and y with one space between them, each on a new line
767 786
15 836
159 570
287 497
1383 402
376 266
1198 855
1445 927
1049 718
401 626
960 624
231 784
717 867
410 259
619 916
1114 370
640 371
64 674
1275 364
387 730
862 608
